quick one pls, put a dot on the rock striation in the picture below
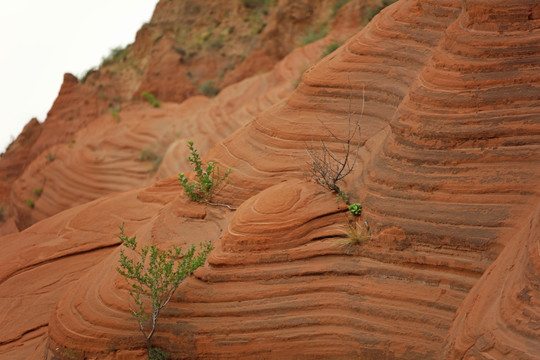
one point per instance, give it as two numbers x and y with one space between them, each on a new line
448 173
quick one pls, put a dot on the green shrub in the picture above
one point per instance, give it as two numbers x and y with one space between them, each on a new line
51 157
115 113
314 35
38 191
154 275
157 354
209 89
150 155
88 72
151 99
337 6
342 196
208 181
355 209
116 54
30 203
147 155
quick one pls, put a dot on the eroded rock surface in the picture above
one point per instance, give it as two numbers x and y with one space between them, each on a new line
448 176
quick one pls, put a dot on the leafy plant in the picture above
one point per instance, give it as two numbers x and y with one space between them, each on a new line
342 195
209 89
151 99
50 156
337 6
150 155
208 181
116 54
30 203
355 209
115 113
154 276
38 191
314 34
72 354
157 354
85 76
147 155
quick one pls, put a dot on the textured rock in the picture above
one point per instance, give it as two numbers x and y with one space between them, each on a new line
185 44
499 318
146 143
448 176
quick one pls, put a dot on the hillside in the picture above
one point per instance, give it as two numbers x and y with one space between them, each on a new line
448 173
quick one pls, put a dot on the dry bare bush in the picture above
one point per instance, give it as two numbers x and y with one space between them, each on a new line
329 167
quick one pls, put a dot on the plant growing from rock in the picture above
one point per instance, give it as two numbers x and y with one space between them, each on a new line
209 89
357 233
51 157
31 204
328 167
151 99
209 180
154 276
355 209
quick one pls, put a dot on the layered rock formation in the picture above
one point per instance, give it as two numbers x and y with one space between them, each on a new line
87 167
448 176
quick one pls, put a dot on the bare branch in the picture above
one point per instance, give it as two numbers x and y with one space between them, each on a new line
326 166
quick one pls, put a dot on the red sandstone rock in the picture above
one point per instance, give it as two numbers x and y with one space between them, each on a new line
447 175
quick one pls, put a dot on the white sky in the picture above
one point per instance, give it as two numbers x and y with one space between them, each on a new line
40 40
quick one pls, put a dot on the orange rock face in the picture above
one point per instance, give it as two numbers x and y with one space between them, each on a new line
448 175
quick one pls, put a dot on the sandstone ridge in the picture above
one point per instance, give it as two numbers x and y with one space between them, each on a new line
448 174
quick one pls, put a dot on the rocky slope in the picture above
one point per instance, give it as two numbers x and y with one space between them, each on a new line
175 56
448 176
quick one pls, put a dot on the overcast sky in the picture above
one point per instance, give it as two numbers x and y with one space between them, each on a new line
40 40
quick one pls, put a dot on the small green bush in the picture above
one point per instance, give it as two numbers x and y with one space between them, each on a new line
151 99
154 275
209 89
342 196
31 204
116 54
150 155
147 155
115 113
208 181
87 73
158 354
337 6
314 35
355 209
51 157
38 191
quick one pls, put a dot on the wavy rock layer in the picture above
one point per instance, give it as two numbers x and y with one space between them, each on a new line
146 144
500 319
448 170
